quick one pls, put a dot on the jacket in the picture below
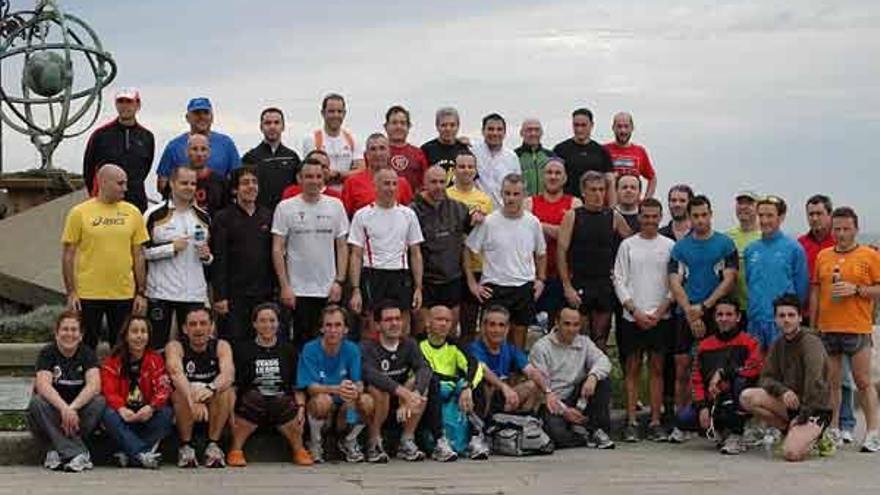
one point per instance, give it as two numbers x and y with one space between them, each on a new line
130 147
532 161
276 170
153 382
444 226
736 354
801 366
774 266
242 249
175 276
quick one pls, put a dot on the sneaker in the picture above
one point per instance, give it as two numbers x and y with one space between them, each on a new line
351 450
825 446
847 436
316 450
631 433
53 460
235 458
301 457
872 442
600 440
376 454
149 460
409 451
656 433
121 459
835 436
443 451
214 456
753 436
677 436
186 457
79 463
732 445
477 448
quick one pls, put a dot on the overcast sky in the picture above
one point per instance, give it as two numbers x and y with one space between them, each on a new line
767 95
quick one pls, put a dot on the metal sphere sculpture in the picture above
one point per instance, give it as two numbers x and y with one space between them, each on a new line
63 70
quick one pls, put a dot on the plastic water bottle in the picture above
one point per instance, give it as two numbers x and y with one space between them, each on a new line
835 279
543 321
199 235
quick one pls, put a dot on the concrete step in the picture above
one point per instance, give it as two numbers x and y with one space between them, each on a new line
19 356
15 392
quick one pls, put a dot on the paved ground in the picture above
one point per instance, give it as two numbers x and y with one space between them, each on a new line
642 469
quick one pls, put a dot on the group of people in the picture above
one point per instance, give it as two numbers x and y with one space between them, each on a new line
366 297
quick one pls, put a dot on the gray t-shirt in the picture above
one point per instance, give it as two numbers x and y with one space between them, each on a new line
567 365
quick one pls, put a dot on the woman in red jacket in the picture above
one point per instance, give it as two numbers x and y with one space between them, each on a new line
137 389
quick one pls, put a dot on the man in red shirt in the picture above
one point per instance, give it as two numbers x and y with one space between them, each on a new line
407 160
314 157
629 158
359 189
819 237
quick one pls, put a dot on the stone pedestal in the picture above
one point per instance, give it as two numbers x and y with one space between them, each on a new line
28 189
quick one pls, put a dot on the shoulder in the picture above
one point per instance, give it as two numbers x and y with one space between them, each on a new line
221 138
350 347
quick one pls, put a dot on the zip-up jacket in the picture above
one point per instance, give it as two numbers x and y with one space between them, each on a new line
130 147
275 171
242 249
174 276
153 381
532 161
735 354
774 266
444 227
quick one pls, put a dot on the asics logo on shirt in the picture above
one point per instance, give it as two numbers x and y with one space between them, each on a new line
107 221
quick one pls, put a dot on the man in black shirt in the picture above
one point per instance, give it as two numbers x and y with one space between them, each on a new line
677 201
397 377
446 146
241 241
276 164
212 193
123 142
581 154
444 223
67 403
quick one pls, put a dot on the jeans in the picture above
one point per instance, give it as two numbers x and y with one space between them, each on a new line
134 438
597 413
45 424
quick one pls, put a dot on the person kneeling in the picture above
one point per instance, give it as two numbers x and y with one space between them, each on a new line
264 381
202 370
329 370
793 393
66 404
577 398
726 364
137 389
397 378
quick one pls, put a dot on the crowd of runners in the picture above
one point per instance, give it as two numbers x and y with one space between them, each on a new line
453 300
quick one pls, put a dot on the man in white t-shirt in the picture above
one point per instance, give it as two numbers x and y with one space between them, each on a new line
309 252
346 154
513 248
494 161
381 236
642 287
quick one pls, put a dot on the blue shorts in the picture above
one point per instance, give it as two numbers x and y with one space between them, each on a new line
765 332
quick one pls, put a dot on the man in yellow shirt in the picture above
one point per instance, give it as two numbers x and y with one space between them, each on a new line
102 260
746 232
845 285
464 189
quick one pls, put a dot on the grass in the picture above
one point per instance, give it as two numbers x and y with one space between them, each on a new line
33 327
13 421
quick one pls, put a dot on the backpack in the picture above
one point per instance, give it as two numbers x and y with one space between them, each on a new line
517 436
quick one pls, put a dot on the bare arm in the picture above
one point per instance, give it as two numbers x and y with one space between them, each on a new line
620 226
651 188
415 259
279 261
814 305
315 389
341 258
562 244
227 368
91 389
174 365
44 388
728 282
356 258
541 266
140 269
68 262
611 194
678 292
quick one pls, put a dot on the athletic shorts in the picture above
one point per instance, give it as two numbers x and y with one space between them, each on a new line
552 300
596 295
265 410
634 338
685 342
448 294
520 301
390 285
846 343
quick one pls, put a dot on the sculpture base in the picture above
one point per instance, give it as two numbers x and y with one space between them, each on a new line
24 190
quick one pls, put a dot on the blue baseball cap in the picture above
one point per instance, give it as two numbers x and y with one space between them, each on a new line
200 103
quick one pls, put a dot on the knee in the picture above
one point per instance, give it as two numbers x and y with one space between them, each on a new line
320 405
793 455
379 397
365 404
747 399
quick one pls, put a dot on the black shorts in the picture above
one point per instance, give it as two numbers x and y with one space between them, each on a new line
390 285
520 301
448 294
846 343
685 342
633 338
265 410
596 295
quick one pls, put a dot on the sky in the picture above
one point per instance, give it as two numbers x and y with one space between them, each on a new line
772 96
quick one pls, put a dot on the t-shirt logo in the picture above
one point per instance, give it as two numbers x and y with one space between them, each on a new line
56 373
108 221
190 367
385 365
399 163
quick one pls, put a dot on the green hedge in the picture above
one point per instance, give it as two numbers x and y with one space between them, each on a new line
35 326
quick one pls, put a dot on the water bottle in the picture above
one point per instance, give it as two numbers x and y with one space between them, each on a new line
581 404
199 235
835 279
543 321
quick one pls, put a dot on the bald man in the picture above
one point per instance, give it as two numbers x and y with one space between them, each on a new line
102 259
212 188
532 155
627 157
445 223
